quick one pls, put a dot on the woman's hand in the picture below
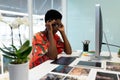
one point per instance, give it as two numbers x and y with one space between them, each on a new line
49 25
60 26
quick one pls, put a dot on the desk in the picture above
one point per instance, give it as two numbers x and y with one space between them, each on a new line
44 68
39 71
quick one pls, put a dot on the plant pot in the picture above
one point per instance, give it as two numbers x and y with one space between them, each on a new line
18 71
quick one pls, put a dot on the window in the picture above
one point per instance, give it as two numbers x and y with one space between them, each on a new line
10 10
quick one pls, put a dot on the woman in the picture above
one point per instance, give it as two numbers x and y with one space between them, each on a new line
47 44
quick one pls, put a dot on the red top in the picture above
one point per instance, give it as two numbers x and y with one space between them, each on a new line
40 46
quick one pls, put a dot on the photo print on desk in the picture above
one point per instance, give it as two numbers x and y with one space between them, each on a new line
106 76
73 73
79 71
89 63
50 76
113 66
62 69
72 78
64 60
119 76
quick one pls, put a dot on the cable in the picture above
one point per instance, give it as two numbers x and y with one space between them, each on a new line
111 45
107 45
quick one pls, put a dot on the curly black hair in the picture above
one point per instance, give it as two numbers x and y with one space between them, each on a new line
52 14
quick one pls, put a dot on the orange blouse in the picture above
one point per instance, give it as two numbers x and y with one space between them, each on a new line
40 46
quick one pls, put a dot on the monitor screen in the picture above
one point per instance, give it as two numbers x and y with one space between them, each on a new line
99 34
98 30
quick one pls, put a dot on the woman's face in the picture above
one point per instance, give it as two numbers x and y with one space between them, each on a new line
56 25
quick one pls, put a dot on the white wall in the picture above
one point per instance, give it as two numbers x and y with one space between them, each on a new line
81 22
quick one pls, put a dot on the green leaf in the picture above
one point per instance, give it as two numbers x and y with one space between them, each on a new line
9 57
22 50
7 52
8 48
14 48
119 51
26 44
26 52
17 56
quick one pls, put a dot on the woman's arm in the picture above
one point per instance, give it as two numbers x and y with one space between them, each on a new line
52 50
67 46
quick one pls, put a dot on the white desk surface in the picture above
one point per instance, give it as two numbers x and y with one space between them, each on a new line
39 71
44 68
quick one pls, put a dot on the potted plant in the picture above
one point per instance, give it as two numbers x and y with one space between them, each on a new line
19 65
119 53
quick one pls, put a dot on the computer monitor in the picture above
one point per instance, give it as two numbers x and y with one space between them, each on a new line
99 34
98 30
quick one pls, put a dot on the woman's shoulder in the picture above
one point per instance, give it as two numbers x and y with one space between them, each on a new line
39 34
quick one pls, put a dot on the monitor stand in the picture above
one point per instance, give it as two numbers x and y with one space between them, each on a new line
100 57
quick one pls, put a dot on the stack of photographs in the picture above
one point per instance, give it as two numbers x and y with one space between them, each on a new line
64 72
110 72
